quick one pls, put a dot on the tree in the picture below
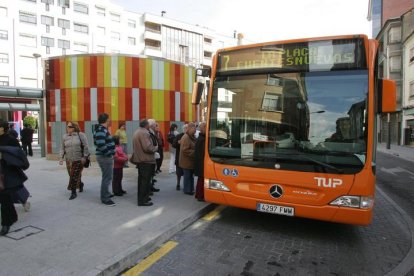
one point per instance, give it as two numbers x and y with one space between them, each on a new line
30 120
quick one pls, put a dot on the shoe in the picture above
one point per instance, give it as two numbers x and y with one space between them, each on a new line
158 171
200 199
154 180
191 193
4 230
145 204
178 188
81 187
109 203
153 189
26 206
119 194
124 192
151 193
72 196
112 195
149 199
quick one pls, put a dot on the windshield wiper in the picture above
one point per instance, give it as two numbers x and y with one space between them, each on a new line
323 164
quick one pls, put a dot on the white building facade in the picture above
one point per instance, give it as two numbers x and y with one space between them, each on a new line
31 30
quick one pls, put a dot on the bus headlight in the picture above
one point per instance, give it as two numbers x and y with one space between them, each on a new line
362 202
215 185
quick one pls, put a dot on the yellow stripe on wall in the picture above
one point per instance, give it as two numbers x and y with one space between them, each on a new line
107 71
80 71
186 79
158 102
68 73
114 104
148 73
167 76
74 104
121 71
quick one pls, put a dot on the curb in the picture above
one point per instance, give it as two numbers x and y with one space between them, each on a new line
129 257
405 266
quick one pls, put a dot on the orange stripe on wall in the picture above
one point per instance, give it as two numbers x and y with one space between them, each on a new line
121 104
81 107
87 71
142 81
62 73
107 99
100 71
128 72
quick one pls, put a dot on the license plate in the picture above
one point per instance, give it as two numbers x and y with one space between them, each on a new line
275 209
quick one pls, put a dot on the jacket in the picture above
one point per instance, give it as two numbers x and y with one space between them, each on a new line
144 148
199 155
187 149
71 147
120 157
103 141
13 162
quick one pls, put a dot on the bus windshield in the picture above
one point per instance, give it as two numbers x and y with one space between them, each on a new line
302 121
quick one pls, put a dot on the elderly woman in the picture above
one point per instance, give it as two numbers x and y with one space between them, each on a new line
74 150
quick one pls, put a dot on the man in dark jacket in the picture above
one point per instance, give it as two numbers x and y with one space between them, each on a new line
13 177
176 144
199 161
26 136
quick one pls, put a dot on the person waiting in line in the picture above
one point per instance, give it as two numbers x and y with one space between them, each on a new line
105 150
152 128
176 144
71 151
123 139
170 139
12 176
26 137
120 158
143 156
187 150
12 132
160 140
199 161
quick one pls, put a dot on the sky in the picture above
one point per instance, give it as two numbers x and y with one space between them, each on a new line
264 20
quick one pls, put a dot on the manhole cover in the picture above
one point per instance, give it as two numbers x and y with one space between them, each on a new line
24 232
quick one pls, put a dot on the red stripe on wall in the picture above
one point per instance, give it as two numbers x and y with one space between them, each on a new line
87 104
51 104
93 72
86 72
135 72
182 107
81 106
121 104
63 103
142 104
81 125
101 100
128 72
141 73
48 139
128 104
100 71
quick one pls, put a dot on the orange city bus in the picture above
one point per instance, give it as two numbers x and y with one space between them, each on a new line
291 127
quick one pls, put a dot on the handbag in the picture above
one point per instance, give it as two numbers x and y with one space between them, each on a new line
87 159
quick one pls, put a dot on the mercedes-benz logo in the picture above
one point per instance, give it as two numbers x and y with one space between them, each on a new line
276 191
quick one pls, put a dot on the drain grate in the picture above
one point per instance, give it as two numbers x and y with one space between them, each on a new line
24 232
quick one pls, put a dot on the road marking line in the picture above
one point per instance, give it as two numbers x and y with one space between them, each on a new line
151 259
213 214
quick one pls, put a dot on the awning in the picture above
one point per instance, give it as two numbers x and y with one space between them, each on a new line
19 107
21 92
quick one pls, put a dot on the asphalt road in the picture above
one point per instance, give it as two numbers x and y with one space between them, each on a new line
244 242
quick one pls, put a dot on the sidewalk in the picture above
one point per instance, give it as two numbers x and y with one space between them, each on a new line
83 236
403 152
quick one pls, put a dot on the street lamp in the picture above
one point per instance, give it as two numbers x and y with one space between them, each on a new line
37 56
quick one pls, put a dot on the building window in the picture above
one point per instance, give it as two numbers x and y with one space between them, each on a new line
28 40
4 81
184 54
153 44
47 3
153 27
131 40
100 11
64 24
100 49
63 3
411 55
101 30
48 42
27 17
3 12
4 34
82 8
271 102
48 21
115 36
207 54
4 58
80 47
207 40
132 23
394 35
63 44
395 64
411 90
115 17
81 28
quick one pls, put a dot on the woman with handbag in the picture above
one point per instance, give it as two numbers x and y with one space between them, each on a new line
76 153
12 163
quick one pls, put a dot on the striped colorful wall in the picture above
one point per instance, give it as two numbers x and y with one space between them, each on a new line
127 88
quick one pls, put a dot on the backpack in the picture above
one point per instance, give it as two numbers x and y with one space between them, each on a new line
170 137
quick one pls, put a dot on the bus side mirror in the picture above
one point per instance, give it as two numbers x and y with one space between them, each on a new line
198 89
387 100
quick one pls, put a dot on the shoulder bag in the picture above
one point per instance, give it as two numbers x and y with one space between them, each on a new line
87 158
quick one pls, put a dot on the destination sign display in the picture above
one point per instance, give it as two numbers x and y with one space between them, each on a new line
308 56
